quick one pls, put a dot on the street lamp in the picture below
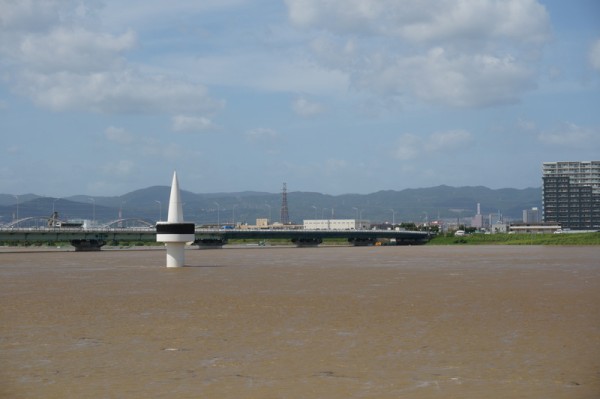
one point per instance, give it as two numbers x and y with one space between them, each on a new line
233 215
17 197
159 210
315 211
393 217
269 221
218 215
121 210
356 209
53 203
93 210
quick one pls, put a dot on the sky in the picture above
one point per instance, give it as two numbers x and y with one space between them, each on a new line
334 96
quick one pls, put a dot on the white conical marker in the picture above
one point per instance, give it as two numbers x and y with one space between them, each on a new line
175 208
175 232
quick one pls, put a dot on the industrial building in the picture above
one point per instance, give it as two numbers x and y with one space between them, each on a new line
571 194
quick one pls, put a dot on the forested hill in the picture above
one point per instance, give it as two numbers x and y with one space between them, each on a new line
405 205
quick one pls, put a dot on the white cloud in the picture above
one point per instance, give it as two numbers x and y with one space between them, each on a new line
441 78
571 135
29 14
64 63
410 146
594 55
74 50
122 91
306 108
426 20
192 123
465 54
141 13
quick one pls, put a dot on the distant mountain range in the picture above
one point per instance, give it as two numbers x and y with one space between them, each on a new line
409 205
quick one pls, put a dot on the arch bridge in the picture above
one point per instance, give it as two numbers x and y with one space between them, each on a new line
32 221
127 223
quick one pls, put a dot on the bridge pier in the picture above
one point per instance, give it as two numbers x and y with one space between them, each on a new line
210 243
362 241
307 242
87 245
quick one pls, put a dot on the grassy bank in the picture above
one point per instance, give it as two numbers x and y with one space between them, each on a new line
519 239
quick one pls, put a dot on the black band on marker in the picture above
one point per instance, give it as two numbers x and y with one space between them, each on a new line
175 228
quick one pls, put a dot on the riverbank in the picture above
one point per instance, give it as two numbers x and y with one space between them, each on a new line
570 239
519 239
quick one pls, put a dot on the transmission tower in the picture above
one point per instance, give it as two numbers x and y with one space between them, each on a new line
285 217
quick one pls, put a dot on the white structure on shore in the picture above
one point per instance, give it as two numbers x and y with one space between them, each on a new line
175 232
336 224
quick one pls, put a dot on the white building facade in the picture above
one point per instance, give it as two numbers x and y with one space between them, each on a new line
334 224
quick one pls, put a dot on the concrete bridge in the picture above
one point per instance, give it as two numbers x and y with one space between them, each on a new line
94 239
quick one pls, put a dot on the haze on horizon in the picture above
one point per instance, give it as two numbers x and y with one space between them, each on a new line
343 96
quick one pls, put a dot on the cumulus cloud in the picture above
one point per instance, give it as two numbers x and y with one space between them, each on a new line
457 80
466 54
572 136
75 50
121 91
306 108
594 55
29 14
426 20
410 146
183 123
64 66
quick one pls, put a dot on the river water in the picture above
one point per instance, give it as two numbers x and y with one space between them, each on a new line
352 322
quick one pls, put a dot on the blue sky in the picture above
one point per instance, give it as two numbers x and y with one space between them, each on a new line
334 96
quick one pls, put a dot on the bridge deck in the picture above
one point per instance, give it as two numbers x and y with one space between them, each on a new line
149 234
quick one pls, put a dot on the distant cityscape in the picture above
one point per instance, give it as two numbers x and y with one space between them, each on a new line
569 199
442 205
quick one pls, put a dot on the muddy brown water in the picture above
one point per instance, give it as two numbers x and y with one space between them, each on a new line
376 322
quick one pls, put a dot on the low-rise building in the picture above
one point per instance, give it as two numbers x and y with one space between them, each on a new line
336 224
535 228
